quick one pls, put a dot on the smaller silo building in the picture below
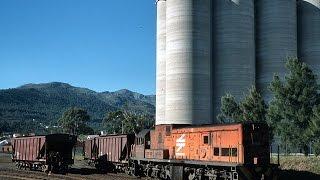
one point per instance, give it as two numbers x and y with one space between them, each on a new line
309 33
276 39
233 49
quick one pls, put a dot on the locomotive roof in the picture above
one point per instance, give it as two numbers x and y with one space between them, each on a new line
143 133
179 126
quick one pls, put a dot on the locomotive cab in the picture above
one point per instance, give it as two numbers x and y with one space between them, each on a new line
256 143
142 142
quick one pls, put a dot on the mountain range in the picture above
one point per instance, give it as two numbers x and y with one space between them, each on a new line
46 102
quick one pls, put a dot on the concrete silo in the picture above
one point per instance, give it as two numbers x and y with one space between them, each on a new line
188 62
233 49
161 62
276 39
309 33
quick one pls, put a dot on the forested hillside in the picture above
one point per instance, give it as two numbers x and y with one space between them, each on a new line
45 103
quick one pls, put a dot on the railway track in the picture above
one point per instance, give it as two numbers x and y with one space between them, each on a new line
80 171
77 174
13 177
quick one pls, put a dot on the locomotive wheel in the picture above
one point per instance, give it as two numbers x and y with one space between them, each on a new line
148 172
63 169
191 176
167 178
134 169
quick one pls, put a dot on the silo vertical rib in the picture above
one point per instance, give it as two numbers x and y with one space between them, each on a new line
309 33
276 39
188 66
161 62
233 48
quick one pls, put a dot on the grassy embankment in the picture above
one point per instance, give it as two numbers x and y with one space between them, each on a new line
299 167
299 163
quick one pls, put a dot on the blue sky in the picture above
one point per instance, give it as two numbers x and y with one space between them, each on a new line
98 44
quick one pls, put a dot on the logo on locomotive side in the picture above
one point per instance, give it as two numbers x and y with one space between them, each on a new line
180 144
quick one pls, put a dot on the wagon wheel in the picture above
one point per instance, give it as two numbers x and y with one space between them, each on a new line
30 166
19 166
44 168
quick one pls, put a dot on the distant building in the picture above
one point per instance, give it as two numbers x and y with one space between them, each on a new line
6 148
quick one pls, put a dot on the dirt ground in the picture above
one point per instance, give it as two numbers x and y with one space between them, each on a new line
79 171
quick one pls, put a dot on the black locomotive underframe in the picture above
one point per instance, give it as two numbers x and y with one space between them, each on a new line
192 169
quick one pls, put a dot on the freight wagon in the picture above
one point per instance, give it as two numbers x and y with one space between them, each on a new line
109 152
48 153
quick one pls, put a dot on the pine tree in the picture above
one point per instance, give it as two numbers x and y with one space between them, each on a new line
252 108
314 130
230 110
292 106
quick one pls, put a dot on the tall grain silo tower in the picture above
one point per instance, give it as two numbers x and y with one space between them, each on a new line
276 39
188 62
161 62
233 48
309 33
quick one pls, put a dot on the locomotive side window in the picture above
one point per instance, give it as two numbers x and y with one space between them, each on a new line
229 152
205 139
216 151
140 141
168 130
234 152
160 138
224 151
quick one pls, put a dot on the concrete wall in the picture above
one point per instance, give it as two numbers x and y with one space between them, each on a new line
276 39
233 49
309 33
161 62
188 62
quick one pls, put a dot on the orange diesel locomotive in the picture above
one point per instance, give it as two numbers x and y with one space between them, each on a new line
230 151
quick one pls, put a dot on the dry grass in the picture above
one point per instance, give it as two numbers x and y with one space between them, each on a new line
299 163
78 157
5 158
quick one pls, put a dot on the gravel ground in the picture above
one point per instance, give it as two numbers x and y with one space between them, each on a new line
79 171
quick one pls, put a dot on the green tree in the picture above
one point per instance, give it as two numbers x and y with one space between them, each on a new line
74 120
125 122
291 108
230 110
251 108
314 130
113 122
134 123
